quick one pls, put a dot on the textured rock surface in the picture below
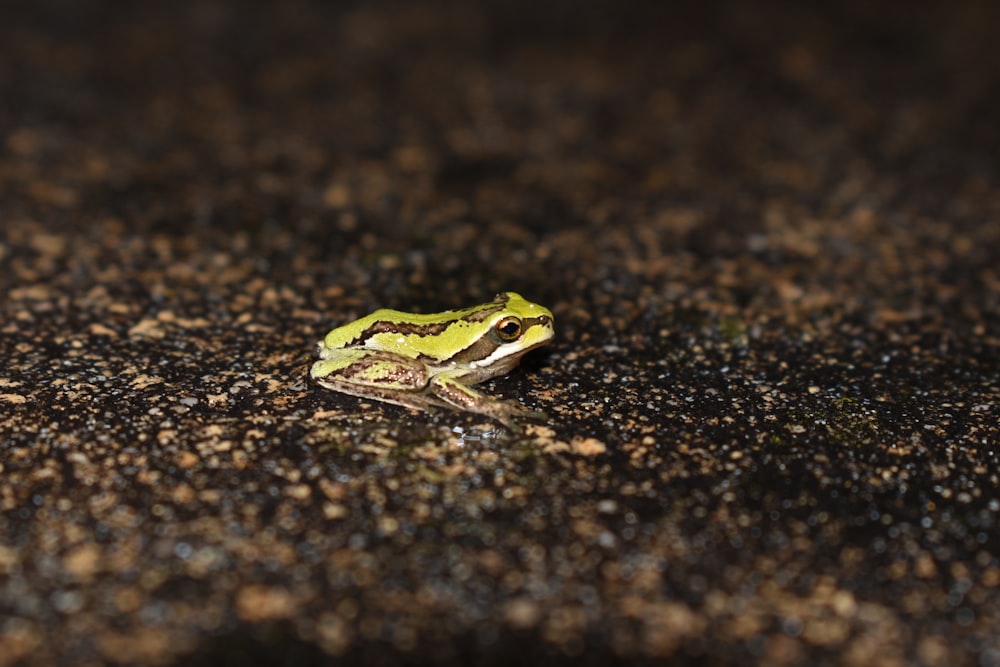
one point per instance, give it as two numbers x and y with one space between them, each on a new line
770 238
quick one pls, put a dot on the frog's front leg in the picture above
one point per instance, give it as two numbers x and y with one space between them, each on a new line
449 388
381 376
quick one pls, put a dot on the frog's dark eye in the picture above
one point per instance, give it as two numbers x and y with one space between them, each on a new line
509 328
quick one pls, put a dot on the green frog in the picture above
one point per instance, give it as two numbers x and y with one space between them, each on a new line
432 360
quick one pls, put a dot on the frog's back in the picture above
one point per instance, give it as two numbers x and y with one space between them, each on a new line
409 334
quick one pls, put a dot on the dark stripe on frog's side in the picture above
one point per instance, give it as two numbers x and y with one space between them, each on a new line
429 329
402 328
499 303
481 349
484 314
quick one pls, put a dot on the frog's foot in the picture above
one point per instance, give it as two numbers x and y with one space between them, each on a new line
462 397
514 410
513 415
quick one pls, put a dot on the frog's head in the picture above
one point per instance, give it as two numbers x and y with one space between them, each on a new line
510 326
520 325
488 339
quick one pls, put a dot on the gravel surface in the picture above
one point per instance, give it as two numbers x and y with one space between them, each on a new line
770 237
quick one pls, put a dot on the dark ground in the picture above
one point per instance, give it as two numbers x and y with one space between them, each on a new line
769 232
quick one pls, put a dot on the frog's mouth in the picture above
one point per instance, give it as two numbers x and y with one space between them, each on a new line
508 355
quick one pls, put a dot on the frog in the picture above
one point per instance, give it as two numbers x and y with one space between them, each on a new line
427 361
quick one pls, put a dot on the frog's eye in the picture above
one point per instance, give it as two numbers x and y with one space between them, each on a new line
509 328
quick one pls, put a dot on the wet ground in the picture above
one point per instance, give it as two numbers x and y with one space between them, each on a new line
770 236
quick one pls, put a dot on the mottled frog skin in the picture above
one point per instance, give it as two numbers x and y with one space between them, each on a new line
431 360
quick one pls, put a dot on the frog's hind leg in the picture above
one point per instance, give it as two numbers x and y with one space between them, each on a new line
408 399
378 376
450 389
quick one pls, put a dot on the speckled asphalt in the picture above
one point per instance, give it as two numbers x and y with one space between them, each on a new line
770 236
